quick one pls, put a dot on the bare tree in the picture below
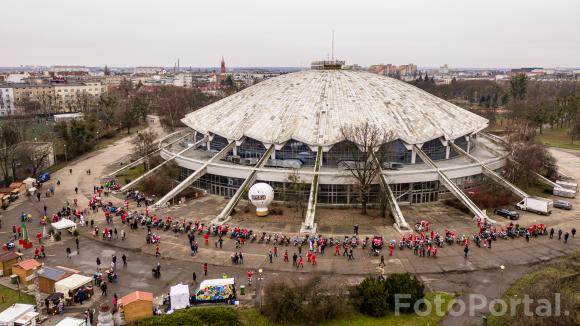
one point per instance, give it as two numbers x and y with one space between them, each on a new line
369 142
10 137
527 157
34 156
294 192
143 144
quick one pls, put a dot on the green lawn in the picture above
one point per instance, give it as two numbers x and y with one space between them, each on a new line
131 174
557 138
558 269
251 317
10 297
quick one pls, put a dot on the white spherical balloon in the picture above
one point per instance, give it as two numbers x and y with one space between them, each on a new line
261 195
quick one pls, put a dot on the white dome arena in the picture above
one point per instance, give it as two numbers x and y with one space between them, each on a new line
290 126
311 107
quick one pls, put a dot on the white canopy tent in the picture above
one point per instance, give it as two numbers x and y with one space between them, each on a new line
179 295
64 223
9 316
29 182
71 283
69 321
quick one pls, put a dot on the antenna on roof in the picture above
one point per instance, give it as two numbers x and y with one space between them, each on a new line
332 46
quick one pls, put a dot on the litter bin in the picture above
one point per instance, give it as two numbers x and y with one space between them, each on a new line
242 289
14 279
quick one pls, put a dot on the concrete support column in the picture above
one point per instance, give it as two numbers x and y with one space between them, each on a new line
235 150
447 151
273 155
208 144
413 156
468 145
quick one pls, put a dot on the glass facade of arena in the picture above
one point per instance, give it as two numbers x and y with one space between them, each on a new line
219 185
343 151
394 152
328 194
296 150
461 142
218 143
251 148
434 149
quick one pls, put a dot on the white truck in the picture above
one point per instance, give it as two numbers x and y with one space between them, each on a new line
567 184
564 192
536 205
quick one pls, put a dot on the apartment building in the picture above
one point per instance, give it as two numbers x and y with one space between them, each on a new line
7 103
57 97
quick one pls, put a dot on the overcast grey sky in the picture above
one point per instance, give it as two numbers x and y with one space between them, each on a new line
429 33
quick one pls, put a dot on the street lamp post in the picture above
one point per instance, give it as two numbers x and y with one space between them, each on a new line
260 279
501 269
65 157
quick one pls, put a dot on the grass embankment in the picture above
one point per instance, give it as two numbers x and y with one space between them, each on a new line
560 276
131 174
251 317
9 297
537 188
557 138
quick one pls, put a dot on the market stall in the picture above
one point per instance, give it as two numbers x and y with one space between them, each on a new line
179 296
64 223
75 288
29 182
28 319
69 321
137 305
25 270
51 302
48 277
216 290
7 260
9 316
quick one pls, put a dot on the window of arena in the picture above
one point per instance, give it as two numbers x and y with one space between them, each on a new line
396 152
218 143
343 151
434 149
461 142
296 150
251 148
219 185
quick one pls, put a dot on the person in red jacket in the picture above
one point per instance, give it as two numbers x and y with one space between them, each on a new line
337 250
300 262
250 274
313 258
205 269
434 251
391 247
206 239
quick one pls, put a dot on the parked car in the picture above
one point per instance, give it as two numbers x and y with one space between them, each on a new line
562 204
43 177
504 212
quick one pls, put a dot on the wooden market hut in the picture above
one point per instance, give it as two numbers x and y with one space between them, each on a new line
19 186
24 269
7 260
49 276
137 305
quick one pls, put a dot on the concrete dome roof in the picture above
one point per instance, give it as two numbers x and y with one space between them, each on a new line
311 106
